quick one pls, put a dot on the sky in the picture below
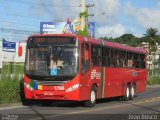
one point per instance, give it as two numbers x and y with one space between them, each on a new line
113 18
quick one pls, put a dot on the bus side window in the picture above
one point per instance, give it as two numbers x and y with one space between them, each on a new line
122 58
136 60
114 58
130 59
142 61
106 56
96 55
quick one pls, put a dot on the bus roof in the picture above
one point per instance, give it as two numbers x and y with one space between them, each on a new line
119 46
97 41
43 35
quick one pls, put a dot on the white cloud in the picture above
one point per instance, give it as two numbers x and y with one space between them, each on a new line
109 7
158 4
111 31
146 17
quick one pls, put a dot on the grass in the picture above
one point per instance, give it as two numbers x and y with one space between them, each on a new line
9 84
9 91
154 72
16 68
153 80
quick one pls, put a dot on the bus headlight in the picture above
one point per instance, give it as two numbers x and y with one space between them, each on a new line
28 86
73 87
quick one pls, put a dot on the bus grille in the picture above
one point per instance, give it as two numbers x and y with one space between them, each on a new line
49 83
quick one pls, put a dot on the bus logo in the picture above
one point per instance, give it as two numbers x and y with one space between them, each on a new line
95 75
53 72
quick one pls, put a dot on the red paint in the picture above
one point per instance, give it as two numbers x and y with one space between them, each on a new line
115 81
20 49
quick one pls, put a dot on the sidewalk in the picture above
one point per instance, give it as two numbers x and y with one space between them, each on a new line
10 104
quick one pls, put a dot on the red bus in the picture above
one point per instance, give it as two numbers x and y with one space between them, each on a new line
75 68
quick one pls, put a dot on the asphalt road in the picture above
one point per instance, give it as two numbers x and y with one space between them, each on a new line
145 106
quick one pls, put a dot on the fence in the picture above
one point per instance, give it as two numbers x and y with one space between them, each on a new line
154 72
12 71
16 71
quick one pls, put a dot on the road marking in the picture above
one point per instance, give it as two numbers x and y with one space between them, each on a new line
11 107
102 108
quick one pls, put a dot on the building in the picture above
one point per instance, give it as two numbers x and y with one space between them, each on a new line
153 60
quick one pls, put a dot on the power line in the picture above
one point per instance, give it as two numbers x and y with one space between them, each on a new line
18 23
16 15
18 31
39 4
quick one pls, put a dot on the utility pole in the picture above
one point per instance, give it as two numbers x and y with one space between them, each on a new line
83 10
85 15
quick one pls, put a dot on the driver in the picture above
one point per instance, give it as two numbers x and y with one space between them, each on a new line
56 63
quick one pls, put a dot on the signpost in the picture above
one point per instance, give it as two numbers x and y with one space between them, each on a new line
9 46
9 51
0 58
1 55
91 29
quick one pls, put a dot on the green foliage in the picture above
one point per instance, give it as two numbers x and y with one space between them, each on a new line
153 80
16 68
83 14
154 72
152 38
9 86
128 39
9 91
84 32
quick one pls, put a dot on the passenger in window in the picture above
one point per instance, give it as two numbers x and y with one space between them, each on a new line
56 63
118 63
130 63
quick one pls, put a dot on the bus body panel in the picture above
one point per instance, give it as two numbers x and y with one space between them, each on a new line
110 81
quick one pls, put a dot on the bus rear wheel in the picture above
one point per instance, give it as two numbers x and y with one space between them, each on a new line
127 94
93 96
132 92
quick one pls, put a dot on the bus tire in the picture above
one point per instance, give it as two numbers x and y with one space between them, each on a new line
24 101
93 96
132 92
127 94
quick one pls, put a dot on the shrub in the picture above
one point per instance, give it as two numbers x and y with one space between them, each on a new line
153 80
9 91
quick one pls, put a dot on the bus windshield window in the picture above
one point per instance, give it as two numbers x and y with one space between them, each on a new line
44 56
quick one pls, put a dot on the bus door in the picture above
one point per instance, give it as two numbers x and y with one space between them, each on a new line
85 55
85 70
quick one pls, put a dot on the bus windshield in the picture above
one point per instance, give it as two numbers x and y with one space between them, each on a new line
52 57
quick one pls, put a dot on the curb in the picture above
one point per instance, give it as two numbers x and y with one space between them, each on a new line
10 104
153 86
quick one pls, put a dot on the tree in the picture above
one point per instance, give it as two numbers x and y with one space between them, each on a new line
152 39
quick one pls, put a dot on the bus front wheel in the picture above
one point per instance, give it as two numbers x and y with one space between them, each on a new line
93 96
